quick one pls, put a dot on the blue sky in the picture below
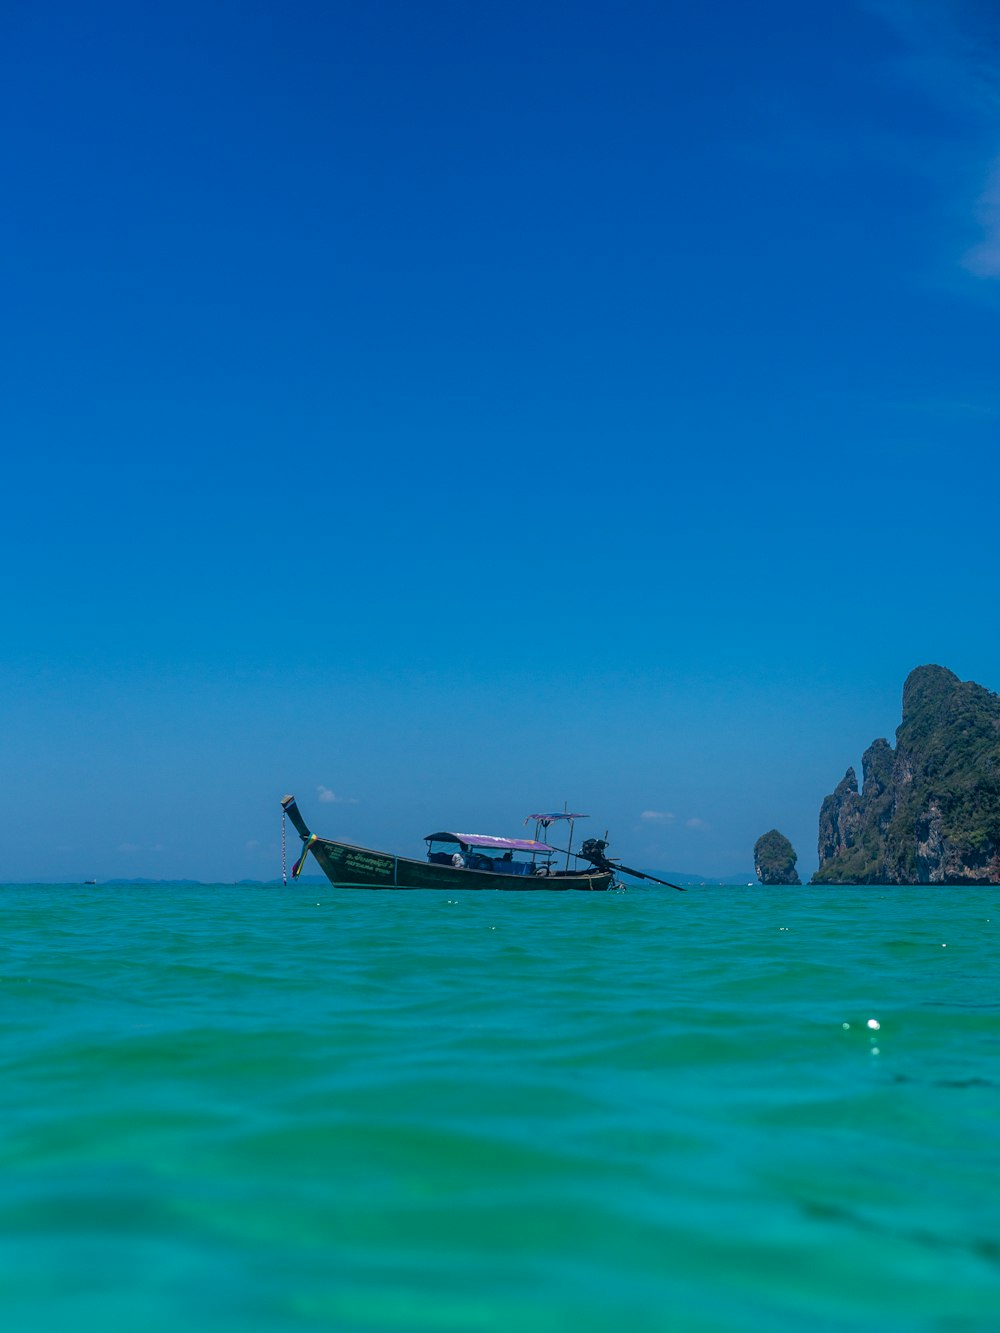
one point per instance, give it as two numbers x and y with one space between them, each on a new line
442 411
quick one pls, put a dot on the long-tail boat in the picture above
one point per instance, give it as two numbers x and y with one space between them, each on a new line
467 861
455 861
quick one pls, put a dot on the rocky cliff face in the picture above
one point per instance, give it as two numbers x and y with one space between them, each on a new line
928 812
774 859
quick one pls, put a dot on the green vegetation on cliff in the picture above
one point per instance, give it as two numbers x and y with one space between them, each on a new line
928 812
774 859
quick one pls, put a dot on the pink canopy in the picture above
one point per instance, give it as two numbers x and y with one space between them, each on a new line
487 843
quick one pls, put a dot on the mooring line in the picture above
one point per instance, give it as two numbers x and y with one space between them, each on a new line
284 871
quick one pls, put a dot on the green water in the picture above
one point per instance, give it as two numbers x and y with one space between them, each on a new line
298 1109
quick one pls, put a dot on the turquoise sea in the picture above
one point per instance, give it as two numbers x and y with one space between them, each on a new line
729 1109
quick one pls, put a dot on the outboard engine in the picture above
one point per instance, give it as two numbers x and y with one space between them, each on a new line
593 851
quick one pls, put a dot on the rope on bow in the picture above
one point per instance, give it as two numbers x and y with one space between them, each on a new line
297 867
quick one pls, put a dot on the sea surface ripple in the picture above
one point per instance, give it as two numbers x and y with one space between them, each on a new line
730 1109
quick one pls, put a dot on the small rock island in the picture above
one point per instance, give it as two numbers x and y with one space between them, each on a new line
927 812
774 859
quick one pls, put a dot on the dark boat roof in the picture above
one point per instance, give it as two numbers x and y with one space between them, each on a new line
486 841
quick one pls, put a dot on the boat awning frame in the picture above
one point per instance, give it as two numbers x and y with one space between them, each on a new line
488 843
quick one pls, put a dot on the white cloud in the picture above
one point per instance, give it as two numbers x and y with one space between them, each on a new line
329 797
658 816
954 54
697 823
984 259
129 847
953 48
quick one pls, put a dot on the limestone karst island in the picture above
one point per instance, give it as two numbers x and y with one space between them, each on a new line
927 812
774 859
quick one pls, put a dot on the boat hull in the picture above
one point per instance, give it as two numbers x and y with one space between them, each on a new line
349 867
